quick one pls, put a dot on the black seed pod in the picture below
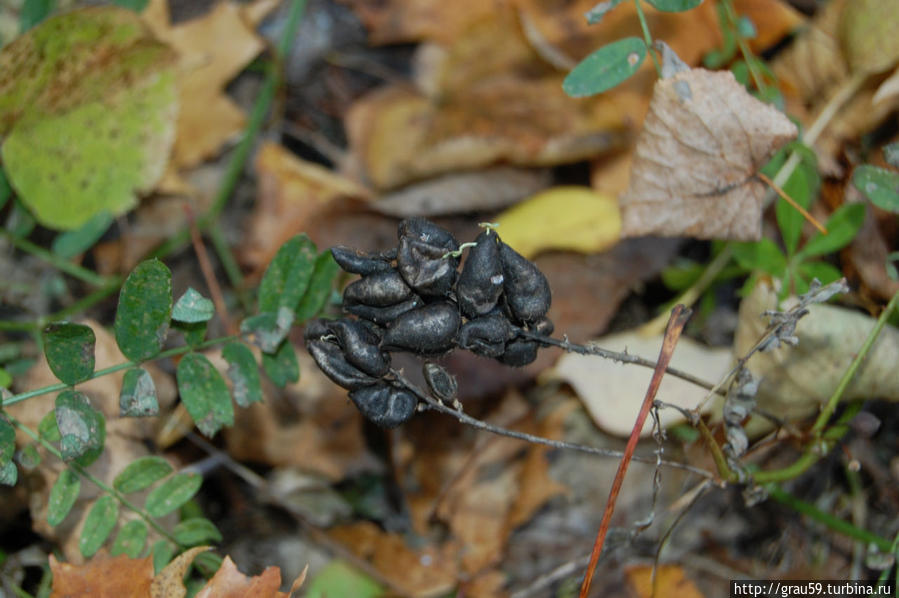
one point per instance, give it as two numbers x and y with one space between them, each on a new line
380 289
383 315
315 329
424 268
427 232
486 336
385 405
331 361
428 330
358 262
526 288
544 326
481 280
519 353
441 383
360 347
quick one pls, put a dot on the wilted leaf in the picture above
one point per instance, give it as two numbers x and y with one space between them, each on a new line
282 366
70 351
144 311
100 521
142 473
84 90
267 329
168 582
243 373
193 307
612 392
563 218
694 172
204 394
605 68
62 496
796 381
131 539
172 493
228 582
138 397
102 575
82 428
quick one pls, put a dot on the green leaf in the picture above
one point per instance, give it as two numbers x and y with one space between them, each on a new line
20 222
138 396
193 307
48 429
5 189
760 255
207 563
135 5
173 493
82 428
320 286
7 442
891 154
162 552
595 14
842 226
681 274
204 393
282 367
98 524
194 332
287 276
879 185
244 374
88 105
196 531
674 5
28 457
9 475
802 187
145 308
62 496
5 378
824 272
141 473
268 329
605 68
71 243
339 579
33 12
70 351
747 28
130 540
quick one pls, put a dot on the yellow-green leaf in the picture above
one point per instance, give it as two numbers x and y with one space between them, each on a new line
566 218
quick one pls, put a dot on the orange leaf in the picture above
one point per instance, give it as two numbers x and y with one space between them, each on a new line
228 582
670 581
103 576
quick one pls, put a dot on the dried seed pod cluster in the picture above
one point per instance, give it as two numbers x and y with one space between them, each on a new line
415 299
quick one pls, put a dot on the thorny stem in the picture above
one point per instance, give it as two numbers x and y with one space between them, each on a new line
647 38
464 418
18 398
81 471
614 355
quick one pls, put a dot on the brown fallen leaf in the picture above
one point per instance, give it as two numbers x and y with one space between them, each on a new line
694 169
399 21
169 583
228 582
665 580
103 576
208 118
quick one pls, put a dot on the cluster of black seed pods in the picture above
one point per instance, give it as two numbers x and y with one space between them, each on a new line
414 299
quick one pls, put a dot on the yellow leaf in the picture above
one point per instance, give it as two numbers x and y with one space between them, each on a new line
670 581
868 33
572 218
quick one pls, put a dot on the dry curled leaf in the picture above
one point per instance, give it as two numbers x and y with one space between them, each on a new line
694 169
228 582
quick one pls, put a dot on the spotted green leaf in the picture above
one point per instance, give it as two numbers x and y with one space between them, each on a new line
204 393
69 349
138 395
287 276
595 14
605 68
196 531
87 108
193 307
141 473
879 185
243 373
268 329
172 493
131 539
7 441
145 308
320 286
9 475
82 428
62 496
282 366
71 243
98 524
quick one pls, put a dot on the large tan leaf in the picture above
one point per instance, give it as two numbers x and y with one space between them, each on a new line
694 172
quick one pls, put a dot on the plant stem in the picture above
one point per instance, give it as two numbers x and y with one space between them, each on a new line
22 396
834 523
60 263
95 480
748 56
647 38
